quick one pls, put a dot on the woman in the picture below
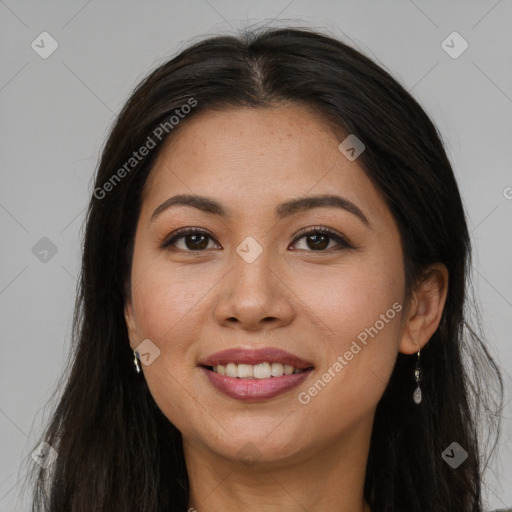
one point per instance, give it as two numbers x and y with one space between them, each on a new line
272 305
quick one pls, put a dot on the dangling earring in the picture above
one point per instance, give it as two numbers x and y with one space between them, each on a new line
135 362
417 377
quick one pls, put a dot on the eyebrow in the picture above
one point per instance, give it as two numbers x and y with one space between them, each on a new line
208 205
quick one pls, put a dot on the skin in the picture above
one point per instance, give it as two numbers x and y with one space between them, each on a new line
310 302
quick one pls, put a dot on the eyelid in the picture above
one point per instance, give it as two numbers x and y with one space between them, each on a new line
335 235
184 231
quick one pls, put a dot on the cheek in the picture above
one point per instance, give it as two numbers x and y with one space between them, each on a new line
167 308
165 301
359 311
349 298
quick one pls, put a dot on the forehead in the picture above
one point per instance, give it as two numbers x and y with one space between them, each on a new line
258 156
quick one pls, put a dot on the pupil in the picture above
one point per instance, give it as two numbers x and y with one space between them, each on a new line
319 242
194 237
323 243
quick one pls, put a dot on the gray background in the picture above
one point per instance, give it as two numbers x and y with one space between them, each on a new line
55 113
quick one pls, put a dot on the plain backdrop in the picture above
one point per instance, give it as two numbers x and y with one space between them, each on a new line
56 113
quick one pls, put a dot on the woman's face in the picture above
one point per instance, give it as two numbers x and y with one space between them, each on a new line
255 281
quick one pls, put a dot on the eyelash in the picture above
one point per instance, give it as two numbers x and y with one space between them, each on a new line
183 232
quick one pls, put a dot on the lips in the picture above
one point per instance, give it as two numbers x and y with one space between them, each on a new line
254 357
254 390
259 387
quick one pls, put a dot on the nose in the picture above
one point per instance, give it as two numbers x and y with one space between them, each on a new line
254 295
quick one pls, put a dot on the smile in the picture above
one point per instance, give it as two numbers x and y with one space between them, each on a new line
264 370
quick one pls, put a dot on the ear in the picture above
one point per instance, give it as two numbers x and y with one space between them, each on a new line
131 324
425 309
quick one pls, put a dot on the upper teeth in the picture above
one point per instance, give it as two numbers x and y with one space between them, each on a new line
257 371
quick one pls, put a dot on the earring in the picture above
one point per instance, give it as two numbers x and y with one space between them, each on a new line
135 362
417 377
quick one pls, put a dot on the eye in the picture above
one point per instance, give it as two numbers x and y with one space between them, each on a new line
195 239
317 238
